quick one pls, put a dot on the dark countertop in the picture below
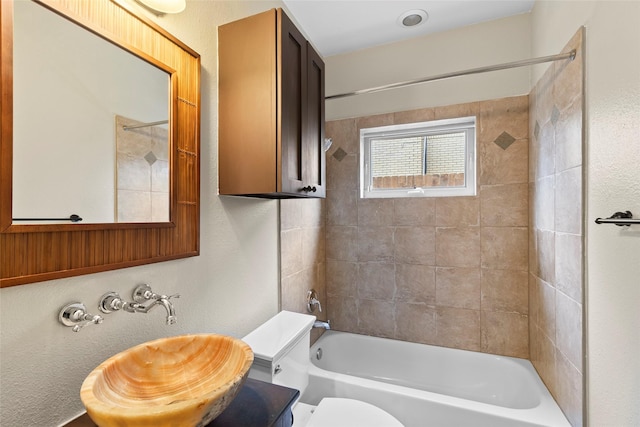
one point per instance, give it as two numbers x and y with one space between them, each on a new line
258 404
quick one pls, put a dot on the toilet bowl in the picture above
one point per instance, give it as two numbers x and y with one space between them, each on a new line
281 356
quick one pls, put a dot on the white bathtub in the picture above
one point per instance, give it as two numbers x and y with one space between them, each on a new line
423 385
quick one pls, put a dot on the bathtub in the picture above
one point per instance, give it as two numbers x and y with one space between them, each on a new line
423 385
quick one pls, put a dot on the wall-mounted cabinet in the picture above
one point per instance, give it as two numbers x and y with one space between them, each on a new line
271 110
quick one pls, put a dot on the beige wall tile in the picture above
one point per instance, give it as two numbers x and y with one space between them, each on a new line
343 313
342 173
294 290
313 246
505 290
509 115
505 205
416 283
374 121
342 208
568 137
414 116
312 212
342 243
569 329
344 135
534 300
458 247
569 390
457 211
376 281
415 245
544 97
498 166
342 278
375 212
547 310
567 84
375 244
568 204
546 151
505 248
414 211
291 251
290 214
546 258
376 318
458 110
544 203
505 333
545 362
415 323
568 258
458 328
458 287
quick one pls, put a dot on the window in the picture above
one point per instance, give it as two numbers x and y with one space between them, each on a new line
427 159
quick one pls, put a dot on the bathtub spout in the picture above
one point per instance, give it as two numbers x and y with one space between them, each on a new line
322 324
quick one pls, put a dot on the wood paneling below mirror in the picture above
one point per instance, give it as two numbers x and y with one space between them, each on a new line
32 253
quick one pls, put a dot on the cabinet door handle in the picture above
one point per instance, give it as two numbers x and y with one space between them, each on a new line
309 189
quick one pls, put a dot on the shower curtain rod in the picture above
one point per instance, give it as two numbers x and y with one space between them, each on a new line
144 125
568 55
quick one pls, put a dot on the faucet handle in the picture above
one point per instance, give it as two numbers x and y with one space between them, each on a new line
75 315
313 301
144 293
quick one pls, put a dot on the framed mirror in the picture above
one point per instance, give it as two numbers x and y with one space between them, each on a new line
124 144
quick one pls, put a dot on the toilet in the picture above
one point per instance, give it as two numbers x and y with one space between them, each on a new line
281 356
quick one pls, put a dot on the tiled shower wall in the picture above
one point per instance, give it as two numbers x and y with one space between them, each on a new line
446 271
302 255
555 187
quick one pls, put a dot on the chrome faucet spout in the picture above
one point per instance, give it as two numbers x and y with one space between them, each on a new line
322 324
163 301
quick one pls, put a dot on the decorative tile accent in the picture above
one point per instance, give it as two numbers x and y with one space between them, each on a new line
555 115
504 140
536 130
150 158
339 154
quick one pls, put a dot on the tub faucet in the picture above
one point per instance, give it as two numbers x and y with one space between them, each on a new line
322 324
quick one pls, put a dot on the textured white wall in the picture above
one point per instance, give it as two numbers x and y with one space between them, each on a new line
612 184
488 43
230 288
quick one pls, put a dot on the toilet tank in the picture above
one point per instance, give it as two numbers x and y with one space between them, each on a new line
281 350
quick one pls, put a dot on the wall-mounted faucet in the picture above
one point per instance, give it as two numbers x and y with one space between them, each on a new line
111 301
76 316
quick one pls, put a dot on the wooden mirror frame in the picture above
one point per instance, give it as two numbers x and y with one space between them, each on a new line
34 253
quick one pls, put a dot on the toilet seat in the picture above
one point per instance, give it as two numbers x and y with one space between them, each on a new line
340 412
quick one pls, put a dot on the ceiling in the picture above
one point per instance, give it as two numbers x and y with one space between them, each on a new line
341 26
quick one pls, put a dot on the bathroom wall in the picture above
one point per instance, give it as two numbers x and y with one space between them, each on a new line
556 223
230 288
302 256
445 271
612 183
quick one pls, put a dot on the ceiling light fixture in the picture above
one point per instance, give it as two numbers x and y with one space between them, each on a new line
165 6
413 18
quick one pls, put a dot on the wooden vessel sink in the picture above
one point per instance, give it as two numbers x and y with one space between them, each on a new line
185 380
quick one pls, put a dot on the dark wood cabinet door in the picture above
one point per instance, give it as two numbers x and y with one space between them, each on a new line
293 105
313 148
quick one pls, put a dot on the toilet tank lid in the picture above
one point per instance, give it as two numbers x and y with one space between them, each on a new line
277 335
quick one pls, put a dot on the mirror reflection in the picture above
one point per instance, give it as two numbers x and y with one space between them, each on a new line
90 125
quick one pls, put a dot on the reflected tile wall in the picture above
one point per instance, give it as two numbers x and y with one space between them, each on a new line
142 172
555 244
446 271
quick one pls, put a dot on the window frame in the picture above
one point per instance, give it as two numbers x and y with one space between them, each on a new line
461 124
